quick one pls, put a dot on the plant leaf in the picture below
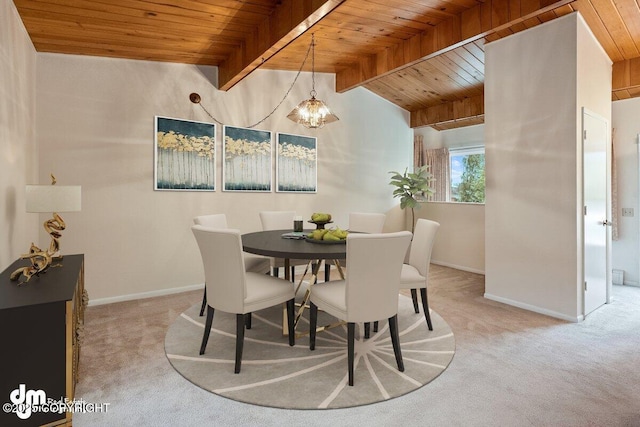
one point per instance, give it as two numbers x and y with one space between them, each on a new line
411 186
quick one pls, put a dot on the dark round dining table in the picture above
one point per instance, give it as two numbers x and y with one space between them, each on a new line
271 243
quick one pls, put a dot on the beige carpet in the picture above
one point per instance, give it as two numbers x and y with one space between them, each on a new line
512 367
275 374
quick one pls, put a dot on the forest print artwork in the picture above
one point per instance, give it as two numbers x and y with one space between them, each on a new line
247 159
185 155
296 164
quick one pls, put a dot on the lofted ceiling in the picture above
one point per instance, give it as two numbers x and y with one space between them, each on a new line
426 56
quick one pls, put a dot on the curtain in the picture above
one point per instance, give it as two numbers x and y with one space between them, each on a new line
418 151
614 189
438 161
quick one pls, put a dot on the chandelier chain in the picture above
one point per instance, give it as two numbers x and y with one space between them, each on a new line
313 65
311 47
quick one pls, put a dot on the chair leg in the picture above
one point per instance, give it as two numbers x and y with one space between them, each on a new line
351 335
414 297
207 329
276 272
204 301
291 304
425 307
247 320
293 274
239 341
327 271
395 340
375 326
313 324
367 330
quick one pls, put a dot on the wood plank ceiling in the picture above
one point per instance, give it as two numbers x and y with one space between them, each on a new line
427 56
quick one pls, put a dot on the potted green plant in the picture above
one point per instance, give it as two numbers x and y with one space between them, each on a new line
411 187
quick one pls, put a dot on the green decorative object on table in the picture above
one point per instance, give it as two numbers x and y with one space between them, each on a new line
333 235
411 187
320 219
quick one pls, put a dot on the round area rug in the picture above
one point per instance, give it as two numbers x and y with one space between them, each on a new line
274 374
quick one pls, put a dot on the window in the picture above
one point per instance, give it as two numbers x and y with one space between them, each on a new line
467 174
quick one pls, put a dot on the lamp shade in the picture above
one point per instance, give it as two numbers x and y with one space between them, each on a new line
53 198
312 113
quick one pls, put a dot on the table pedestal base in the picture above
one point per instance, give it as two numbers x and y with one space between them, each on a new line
313 280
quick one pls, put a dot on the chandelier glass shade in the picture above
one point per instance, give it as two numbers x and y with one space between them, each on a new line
312 113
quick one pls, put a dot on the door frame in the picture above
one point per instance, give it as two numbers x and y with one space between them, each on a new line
609 273
638 205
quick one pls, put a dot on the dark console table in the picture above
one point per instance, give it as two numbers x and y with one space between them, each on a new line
42 324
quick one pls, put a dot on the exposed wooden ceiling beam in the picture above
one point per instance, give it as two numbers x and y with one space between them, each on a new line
472 107
291 19
626 78
455 124
472 24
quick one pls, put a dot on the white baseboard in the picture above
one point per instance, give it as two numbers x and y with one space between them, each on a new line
534 308
457 267
628 283
142 295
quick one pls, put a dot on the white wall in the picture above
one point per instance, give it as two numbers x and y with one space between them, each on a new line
534 81
460 240
455 218
95 128
625 122
452 138
18 156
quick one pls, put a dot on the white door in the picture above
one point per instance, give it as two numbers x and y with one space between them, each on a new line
596 230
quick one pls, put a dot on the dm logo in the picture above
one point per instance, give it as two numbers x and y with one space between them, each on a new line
25 400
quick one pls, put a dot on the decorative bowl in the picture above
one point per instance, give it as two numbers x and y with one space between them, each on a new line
326 242
320 224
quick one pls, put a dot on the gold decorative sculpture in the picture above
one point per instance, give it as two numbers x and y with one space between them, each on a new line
40 261
54 226
47 198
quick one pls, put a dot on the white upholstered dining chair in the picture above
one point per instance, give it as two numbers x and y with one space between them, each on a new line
280 220
365 222
369 291
252 263
361 222
233 290
415 274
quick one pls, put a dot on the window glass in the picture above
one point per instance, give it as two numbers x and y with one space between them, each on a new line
467 175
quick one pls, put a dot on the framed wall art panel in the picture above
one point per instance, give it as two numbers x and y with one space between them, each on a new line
247 159
296 164
185 155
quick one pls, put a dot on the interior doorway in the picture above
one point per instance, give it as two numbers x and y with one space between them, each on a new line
597 208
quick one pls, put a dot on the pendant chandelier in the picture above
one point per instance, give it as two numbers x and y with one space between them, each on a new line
312 113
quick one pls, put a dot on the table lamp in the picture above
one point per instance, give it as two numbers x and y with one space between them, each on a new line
48 198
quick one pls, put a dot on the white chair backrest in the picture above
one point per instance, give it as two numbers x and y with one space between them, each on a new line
277 220
373 277
366 222
221 251
211 221
422 245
